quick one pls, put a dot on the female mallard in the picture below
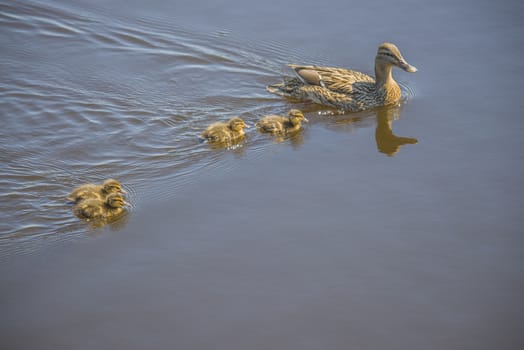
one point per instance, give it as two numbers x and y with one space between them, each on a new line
225 132
347 89
277 124
92 191
98 209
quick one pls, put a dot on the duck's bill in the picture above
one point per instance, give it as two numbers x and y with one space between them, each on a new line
306 120
407 67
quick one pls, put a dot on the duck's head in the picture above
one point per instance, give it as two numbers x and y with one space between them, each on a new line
237 124
389 54
296 117
112 186
116 200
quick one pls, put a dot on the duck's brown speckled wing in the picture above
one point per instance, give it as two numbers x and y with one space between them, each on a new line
334 79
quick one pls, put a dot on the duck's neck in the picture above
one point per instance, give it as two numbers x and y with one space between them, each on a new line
383 76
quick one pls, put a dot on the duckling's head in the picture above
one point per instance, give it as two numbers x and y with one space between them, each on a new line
296 117
237 124
389 54
116 200
112 186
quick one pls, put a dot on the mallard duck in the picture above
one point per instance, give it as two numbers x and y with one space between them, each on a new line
225 132
277 124
93 191
347 89
98 209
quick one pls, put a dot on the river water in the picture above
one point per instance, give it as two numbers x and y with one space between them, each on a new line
400 228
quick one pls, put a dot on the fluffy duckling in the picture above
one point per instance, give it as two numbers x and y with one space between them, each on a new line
345 88
225 132
277 124
98 209
93 191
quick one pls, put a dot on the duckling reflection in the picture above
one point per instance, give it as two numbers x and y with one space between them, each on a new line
296 139
93 191
225 133
387 142
279 125
97 209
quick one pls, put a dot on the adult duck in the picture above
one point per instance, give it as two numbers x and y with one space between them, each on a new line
347 89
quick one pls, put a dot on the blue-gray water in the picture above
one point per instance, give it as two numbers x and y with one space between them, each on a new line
337 238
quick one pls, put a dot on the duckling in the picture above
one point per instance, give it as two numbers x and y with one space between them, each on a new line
277 124
82 193
98 209
344 88
225 132
115 205
92 191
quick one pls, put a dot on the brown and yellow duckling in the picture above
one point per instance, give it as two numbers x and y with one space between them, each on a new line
347 89
98 209
93 191
276 124
225 132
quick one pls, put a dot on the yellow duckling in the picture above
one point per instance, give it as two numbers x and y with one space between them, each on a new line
93 191
225 132
277 124
344 88
98 209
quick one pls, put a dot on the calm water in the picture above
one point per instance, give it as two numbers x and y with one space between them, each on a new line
348 235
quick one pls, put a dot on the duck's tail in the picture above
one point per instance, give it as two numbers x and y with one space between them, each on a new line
277 89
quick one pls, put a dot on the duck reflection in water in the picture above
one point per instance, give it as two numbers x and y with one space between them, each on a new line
387 142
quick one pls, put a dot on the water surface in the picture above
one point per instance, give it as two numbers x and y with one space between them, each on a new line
348 235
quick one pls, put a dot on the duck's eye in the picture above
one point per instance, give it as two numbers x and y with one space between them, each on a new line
388 54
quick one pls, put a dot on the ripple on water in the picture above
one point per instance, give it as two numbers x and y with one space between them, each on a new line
408 91
113 97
